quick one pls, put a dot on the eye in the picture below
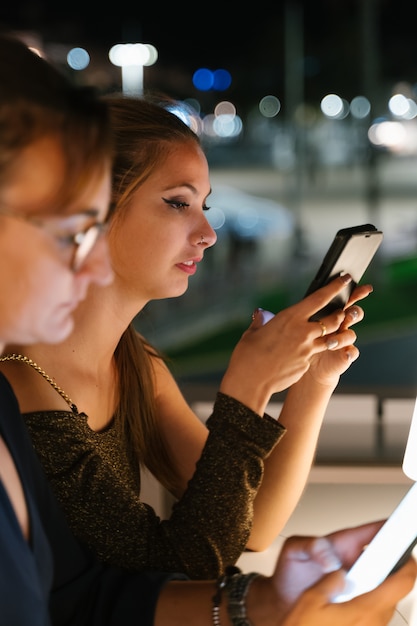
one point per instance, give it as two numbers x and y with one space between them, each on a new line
206 208
65 240
176 204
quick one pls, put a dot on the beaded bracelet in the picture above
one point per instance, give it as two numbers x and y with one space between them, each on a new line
236 586
216 599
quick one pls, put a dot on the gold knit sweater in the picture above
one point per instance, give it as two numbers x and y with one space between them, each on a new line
99 490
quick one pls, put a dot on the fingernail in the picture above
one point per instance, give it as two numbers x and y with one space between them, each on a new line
332 343
349 355
354 313
256 311
266 316
347 278
349 587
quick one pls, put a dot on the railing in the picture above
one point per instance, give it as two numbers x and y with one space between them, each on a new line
366 425
363 427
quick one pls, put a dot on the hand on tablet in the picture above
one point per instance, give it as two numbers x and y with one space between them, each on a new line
311 571
386 552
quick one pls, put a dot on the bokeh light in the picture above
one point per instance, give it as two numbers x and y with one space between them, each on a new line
402 107
334 107
131 54
188 115
227 125
225 108
386 134
78 59
269 106
221 80
205 79
360 107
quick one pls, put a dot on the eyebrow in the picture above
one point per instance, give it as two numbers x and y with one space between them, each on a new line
65 218
188 186
90 212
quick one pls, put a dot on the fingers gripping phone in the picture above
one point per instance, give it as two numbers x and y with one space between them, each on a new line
351 252
388 550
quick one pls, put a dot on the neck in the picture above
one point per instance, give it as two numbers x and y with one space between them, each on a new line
100 321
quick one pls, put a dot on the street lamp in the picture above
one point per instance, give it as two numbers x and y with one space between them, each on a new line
132 57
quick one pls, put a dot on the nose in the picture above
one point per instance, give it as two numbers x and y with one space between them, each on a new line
207 235
97 266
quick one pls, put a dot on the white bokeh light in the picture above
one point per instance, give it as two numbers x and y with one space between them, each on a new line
269 106
387 134
332 106
227 125
398 105
131 58
360 107
225 108
402 107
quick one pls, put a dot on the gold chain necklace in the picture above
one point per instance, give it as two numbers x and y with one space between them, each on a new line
37 368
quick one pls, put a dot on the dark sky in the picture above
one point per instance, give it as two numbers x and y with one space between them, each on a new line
249 42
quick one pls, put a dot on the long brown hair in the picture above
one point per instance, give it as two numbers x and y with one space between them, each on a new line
143 132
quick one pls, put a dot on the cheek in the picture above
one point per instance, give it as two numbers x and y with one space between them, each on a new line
33 281
35 292
135 244
46 276
49 281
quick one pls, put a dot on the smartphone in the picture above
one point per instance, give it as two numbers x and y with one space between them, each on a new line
388 550
351 252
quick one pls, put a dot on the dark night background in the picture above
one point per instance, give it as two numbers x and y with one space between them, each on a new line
339 39
299 52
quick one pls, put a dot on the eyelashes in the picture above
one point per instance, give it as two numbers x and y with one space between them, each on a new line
178 204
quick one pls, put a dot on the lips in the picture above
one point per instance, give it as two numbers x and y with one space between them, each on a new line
189 267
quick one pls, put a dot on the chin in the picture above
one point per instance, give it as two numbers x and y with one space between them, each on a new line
58 332
175 291
180 290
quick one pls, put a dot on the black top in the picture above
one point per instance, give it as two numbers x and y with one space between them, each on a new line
82 592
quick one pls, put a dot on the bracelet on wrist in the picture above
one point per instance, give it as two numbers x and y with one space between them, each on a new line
217 600
236 585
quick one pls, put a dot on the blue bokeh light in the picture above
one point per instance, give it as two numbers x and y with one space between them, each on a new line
221 80
205 79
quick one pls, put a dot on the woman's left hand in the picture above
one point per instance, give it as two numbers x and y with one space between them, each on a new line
327 367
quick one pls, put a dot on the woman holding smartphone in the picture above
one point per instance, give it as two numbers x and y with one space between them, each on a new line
236 480
51 216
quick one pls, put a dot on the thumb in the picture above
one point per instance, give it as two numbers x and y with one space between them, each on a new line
260 317
331 584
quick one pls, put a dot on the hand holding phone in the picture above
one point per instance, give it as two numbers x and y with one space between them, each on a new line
350 253
388 550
